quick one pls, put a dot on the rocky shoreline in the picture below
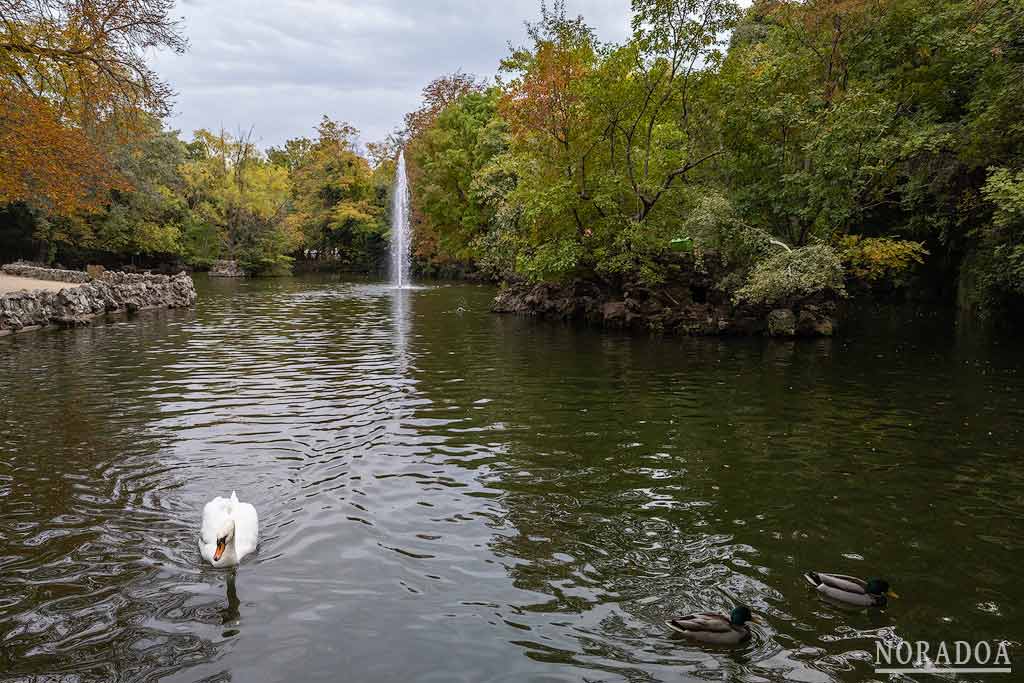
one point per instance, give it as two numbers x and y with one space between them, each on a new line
73 306
693 307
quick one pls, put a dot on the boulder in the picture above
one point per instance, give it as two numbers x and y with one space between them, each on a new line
815 322
781 323
226 268
614 313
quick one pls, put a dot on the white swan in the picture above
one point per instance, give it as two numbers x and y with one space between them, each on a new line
230 531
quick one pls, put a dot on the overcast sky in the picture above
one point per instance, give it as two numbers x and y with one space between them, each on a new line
279 66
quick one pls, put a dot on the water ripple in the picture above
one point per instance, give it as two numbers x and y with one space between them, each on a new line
450 496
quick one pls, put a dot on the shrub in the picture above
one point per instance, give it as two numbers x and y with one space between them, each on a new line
874 259
795 273
1002 270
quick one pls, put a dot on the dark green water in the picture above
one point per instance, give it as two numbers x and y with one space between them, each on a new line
449 495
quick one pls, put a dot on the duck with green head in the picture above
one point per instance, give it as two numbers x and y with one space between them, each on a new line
850 590
715 629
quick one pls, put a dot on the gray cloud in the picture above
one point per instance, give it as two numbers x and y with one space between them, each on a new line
278 66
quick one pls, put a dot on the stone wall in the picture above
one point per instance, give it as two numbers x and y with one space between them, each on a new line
112 292
22 269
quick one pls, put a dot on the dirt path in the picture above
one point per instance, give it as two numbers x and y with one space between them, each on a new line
10 283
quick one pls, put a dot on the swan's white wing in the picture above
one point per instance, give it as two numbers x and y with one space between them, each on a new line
247 528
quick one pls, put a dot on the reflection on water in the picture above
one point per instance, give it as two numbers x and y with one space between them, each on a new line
450 495
401 323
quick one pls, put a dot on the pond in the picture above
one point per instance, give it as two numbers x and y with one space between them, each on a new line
450 495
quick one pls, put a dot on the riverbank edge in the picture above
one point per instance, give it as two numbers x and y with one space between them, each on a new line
684 309
84 304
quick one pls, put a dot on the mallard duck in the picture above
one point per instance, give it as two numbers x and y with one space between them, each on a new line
230 531
850 590
716 629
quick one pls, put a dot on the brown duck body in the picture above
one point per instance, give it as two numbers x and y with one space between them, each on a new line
715 629
848 590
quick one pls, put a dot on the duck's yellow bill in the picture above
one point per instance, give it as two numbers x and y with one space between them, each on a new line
756 619
219 551
892 594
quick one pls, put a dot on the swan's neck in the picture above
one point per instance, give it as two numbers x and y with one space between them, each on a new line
230 555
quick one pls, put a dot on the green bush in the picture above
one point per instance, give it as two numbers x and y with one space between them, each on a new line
794 273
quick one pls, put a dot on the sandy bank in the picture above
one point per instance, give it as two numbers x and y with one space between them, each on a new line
11 283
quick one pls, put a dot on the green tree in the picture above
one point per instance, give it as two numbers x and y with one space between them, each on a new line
339 210
450 154
605 138
147 218
234 193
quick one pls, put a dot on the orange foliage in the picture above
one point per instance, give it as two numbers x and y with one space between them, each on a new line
73 80
88 56
46 163
543 98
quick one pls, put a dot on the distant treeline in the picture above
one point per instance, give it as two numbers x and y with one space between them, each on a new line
89 172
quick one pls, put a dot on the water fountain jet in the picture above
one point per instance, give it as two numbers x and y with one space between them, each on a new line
400 227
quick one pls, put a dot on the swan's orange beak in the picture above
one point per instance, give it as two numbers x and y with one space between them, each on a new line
221 544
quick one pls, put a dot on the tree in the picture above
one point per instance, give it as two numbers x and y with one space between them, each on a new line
437 95
546 105
147 218
385 150
451 153
808 147
292 155
236 195
339 210
601 135
54 168
87 56
70 70
663 136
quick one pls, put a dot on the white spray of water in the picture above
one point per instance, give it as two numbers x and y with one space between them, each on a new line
400 228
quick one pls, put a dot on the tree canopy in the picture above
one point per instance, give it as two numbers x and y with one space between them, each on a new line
883 135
